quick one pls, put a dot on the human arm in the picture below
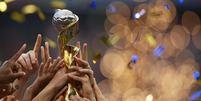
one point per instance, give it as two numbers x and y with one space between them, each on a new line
7 74
45 73
58 82
27 63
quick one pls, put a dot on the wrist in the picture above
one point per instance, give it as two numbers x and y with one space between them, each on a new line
48 93
35 87
92 98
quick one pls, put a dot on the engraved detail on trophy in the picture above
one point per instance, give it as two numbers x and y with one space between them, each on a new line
67 24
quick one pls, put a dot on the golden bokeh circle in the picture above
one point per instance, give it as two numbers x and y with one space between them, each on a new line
104 86
121 9
179 37
196 40
190 20
113 67
169 48
120 32
182 56
117 19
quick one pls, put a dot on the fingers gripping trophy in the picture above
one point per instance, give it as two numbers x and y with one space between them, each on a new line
67 24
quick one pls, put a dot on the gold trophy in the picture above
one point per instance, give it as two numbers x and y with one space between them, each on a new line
67 24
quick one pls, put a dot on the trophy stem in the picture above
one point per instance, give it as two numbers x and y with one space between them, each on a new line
70 91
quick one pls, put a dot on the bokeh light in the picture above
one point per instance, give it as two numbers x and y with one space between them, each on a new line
29 9
8 1
3 6
196 75
20 18
58 4
152 35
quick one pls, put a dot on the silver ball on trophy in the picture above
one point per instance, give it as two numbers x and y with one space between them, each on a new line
62 18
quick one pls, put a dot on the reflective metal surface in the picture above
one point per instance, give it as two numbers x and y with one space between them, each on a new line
67 24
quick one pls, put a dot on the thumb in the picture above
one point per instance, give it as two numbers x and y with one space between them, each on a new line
17 75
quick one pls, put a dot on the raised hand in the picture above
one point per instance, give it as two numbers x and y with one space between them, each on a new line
83 55
52 89
47 69
7 74
86 69
86 89
46 72
29 61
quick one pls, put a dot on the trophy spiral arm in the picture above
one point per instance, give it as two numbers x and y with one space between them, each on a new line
67 24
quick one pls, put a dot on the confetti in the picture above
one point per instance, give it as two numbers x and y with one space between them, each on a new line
166 6
29 9
58 4
98 56
181 1
105 41
108 42
20 18
3 6
94 4
134 58
196 82
40 14
155 14
51 42
195 95
8 1
196 75
136 16
142 12
150 39
139 14
111 9
137 38
158 51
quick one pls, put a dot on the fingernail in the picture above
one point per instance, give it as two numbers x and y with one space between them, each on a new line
85 98
33 62
77 96
72 97
30 68
24 73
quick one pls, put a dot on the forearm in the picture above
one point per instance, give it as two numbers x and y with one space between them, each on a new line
29 94
92 97
46 94
32 91
19 85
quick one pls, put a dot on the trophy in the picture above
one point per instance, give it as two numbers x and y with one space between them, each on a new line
67 24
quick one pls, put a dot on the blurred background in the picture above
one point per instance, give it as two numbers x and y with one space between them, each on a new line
139 50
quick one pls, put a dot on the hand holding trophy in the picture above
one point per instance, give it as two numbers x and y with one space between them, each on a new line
67 24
